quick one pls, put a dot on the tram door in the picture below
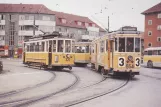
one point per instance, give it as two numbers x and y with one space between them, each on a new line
50 52
96 53
110 53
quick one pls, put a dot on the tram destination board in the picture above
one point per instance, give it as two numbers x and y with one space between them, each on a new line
129 28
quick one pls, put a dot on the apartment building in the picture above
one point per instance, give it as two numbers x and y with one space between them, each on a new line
152 34
21 21
79 27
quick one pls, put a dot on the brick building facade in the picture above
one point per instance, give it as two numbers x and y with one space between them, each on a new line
152 33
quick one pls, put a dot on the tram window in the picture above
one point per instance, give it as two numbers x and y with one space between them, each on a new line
47 46
43 46
116 44
92 49
102 46
155 52
34 47
145 52
149 52
67 46
130 45
121 44
31 47
159 52
83 49
40 49
137 44
28 48
37 47
106 45
60 45
87 49
54 45
77 49
73 47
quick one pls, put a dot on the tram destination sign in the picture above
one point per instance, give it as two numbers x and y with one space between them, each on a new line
129 29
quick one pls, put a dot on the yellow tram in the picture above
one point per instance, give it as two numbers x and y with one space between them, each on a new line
117 52
82 53
49 50
152 57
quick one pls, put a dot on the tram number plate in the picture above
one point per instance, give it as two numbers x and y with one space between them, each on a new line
129 65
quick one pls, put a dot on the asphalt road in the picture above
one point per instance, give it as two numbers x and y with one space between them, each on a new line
142 91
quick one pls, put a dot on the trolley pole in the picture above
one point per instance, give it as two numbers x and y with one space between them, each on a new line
108 25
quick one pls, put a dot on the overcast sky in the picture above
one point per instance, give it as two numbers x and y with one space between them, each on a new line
121 12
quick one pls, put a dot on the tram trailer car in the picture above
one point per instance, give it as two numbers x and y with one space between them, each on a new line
118 52
82 53
49 51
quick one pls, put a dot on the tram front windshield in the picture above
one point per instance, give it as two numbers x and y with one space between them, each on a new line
127 44
81 49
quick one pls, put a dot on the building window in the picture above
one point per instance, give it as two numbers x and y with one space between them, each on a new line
79 23
2 17
22 17
159 15
159 27
159 39
63 20
149 22
22 27
2 27
149 33
149 44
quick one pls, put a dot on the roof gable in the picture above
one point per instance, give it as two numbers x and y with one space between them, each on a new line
154 9
72 19
25 8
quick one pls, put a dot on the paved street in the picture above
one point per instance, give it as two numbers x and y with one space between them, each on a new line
31 83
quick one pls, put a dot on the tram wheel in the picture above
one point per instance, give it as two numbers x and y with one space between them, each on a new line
149 64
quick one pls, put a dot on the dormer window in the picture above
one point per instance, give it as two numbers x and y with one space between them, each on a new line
79 23
63 20
86 24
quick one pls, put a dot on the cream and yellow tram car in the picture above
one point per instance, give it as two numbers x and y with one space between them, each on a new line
117 52
152 57
49 51
82 53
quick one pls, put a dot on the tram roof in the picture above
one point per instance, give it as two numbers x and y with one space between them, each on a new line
47 36
153 48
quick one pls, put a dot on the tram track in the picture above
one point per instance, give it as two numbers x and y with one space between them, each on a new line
6 94
25 102
79 101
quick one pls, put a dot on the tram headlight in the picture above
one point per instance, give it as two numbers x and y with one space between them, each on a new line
56 59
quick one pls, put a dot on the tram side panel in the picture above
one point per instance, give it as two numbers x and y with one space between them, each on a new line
39 57
82 58
62 59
